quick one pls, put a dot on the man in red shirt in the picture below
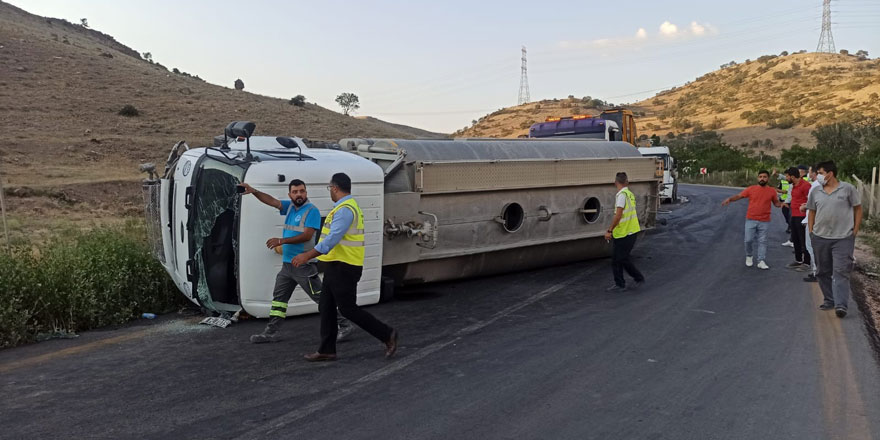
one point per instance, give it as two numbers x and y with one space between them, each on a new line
800 189
757 216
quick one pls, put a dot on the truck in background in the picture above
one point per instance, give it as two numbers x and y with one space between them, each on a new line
669 190
616 124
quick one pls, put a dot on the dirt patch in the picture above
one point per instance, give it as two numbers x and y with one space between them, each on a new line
866 287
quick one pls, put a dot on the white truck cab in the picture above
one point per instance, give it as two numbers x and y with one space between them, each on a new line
214 238
669 191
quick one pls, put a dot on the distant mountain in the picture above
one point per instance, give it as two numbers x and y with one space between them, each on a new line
781 98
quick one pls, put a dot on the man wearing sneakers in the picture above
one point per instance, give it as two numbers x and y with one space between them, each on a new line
835 214
623 230
301 220
784 192
799 191
811 277
757 217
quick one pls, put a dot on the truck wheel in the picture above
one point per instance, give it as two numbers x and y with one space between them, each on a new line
386 289
674 192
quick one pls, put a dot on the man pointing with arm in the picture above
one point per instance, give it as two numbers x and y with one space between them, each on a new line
342 249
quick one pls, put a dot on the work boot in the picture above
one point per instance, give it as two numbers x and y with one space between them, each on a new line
343 331
270 334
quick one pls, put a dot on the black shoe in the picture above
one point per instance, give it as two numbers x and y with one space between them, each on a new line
811 278
826 306
391 345
795 265
343 333
615 288
840 312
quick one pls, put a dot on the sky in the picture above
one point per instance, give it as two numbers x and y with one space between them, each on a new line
440 65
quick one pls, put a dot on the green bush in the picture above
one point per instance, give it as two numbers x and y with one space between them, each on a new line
129 110
79 281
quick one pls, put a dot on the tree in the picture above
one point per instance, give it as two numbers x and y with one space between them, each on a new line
84 22
784 53
239 84
148 56
349 102
298 100
844 52
862 55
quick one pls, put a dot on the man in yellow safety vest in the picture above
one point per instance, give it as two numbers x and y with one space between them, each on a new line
623 231
341 248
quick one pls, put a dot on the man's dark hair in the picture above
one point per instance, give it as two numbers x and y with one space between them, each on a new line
295 182
621 178
764 172
828 166
793 172
803 167
342 181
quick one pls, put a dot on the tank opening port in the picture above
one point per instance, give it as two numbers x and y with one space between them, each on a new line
512 217
591 210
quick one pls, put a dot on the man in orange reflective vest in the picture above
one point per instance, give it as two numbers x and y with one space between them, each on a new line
341 248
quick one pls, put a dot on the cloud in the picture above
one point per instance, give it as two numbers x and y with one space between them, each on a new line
668 29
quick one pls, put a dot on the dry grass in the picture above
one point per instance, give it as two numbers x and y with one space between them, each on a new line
811 88
62 87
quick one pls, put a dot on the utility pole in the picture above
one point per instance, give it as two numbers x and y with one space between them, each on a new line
826 40
523 82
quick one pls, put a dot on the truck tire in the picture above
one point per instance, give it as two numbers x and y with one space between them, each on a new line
386 289
674 192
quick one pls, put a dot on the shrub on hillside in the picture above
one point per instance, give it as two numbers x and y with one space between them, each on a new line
298 100
82 280
239 84
129 111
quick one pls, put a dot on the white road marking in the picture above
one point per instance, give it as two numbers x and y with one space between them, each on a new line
286 419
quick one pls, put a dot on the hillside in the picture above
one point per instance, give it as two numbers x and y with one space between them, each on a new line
66 148
781 98
411 131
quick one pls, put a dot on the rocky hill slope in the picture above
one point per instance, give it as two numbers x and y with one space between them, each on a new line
66 148
781 98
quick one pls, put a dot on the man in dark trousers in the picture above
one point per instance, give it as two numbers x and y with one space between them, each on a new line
301 220
623 231
799 191
341 248
835 211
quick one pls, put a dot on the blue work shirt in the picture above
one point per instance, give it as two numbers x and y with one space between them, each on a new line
338 227
294 216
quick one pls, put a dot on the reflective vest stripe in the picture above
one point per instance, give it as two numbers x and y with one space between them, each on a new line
294 228
283 305
351 243
277 313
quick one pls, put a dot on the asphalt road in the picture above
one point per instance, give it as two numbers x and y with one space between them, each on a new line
707 349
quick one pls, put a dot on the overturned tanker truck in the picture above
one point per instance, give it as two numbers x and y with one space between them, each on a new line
434 209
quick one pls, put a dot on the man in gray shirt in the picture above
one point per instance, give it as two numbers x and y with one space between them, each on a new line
835 213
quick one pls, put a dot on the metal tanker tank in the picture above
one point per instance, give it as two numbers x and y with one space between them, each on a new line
461 208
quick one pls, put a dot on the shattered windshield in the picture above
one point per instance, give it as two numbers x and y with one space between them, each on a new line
216 208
